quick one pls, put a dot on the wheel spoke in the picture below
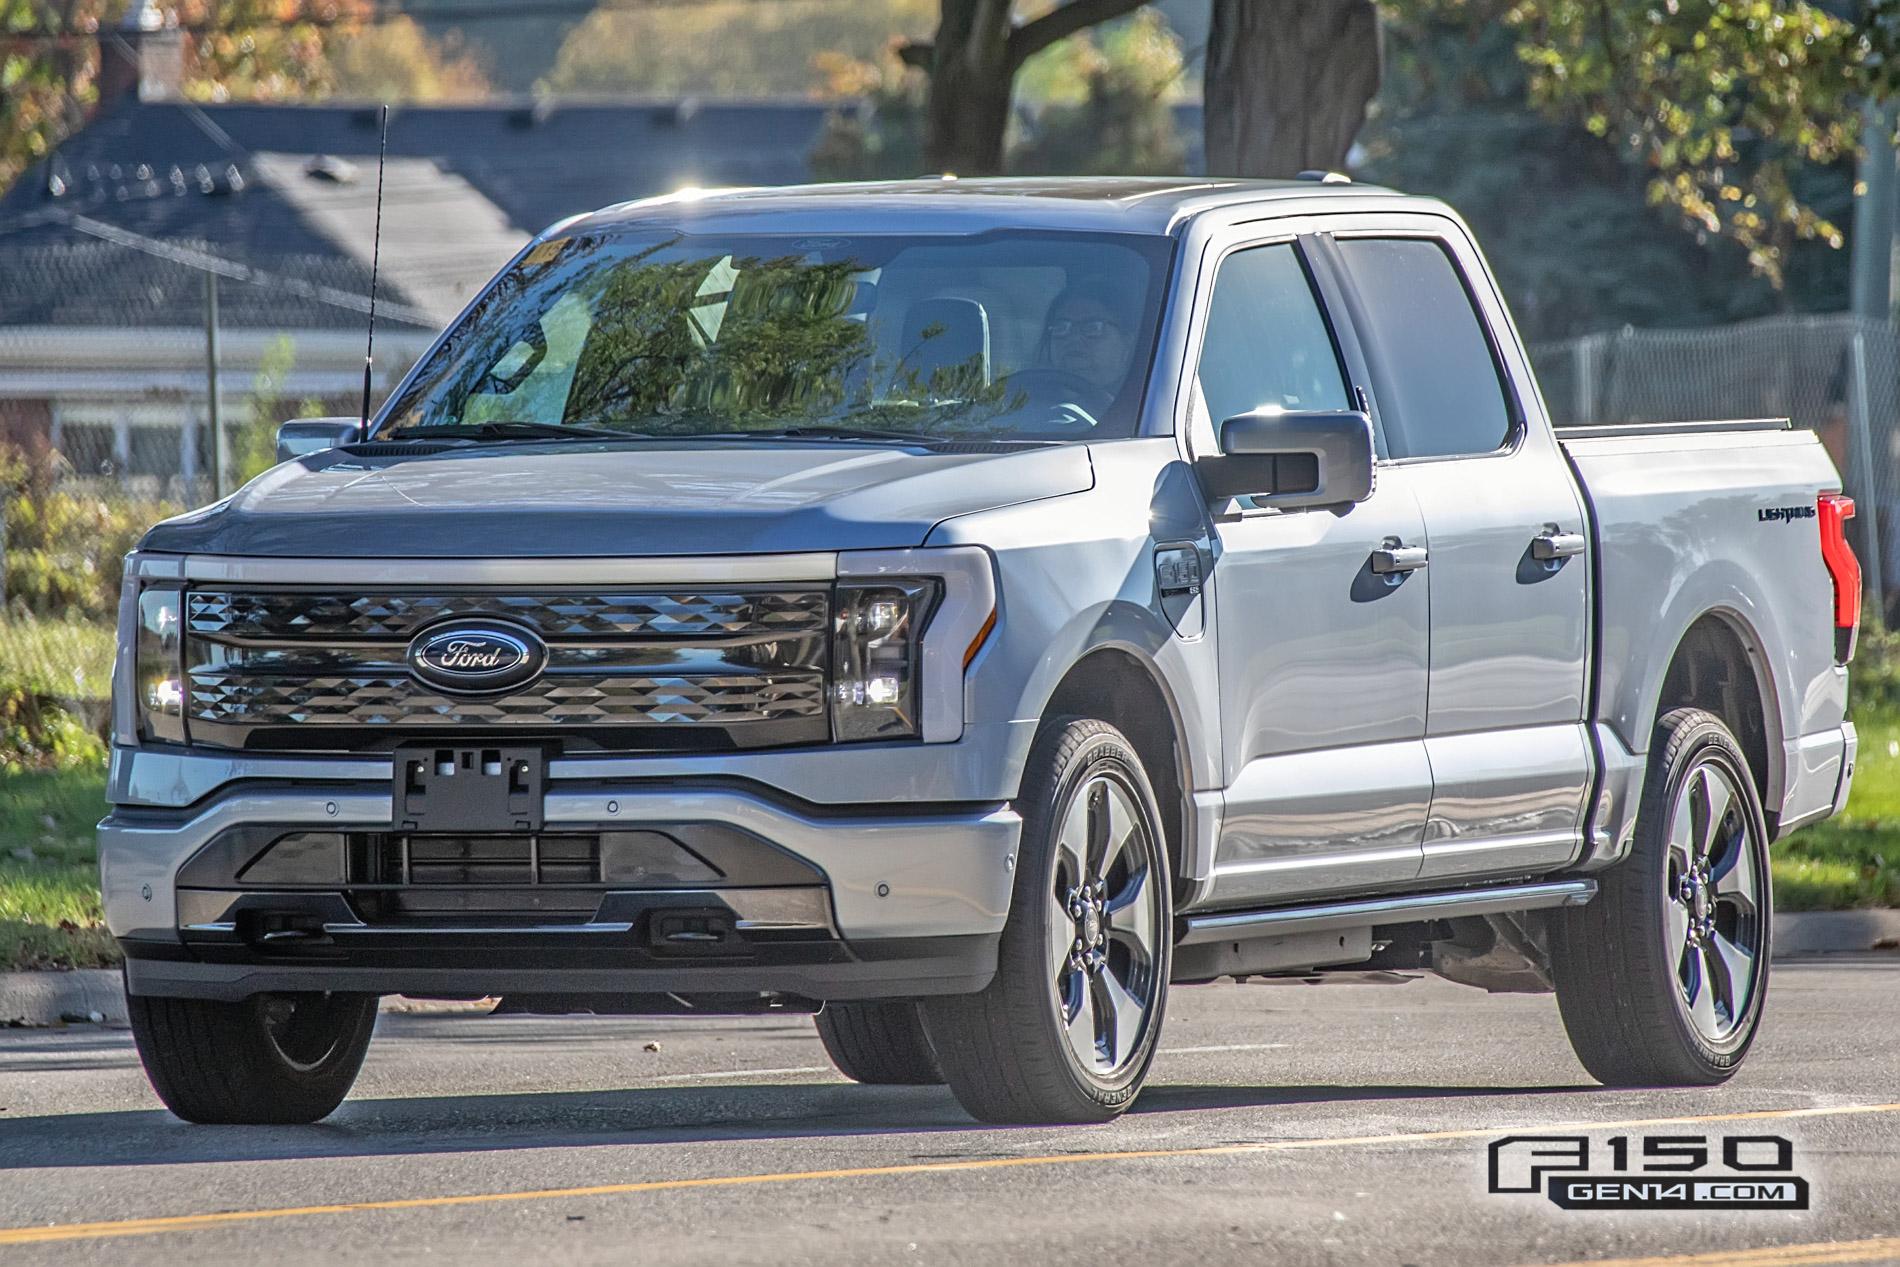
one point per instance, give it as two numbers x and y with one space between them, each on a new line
1735 967
1122 823
1072 846
1710 800
1682 828
1123 1013
1061 940
1083 1025
1702 996
1096 795
1734 875
1675 925
1131 917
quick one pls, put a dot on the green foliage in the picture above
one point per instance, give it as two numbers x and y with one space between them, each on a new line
1564 218
50 912
733 48
55 689
253 437
1120 120
1096 103
1717 101
65 545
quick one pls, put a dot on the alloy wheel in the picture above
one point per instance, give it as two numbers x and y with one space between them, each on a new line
1712 913
1104 930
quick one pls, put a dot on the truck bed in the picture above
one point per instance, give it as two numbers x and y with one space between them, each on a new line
1715 517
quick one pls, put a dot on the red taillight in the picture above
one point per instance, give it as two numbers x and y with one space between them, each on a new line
1843 568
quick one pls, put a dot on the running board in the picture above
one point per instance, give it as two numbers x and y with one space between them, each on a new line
1244 925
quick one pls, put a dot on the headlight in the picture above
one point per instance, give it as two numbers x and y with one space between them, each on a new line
876 640
158 680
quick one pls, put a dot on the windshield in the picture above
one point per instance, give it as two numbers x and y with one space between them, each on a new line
1004 335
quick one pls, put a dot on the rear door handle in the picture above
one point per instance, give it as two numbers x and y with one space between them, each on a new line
1393 558
1549 546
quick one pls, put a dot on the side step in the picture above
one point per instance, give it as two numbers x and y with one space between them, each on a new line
1371 912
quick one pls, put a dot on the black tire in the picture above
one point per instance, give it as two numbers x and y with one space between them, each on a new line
1620 980
880 1044
1005 1051
270 1060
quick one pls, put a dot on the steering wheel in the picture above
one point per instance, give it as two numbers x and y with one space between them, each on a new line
1071 394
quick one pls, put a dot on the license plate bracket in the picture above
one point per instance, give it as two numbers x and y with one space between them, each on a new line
470 787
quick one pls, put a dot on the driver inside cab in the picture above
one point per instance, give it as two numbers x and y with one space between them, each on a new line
1087 335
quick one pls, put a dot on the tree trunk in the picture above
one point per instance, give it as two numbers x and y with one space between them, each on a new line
1288 83
970 77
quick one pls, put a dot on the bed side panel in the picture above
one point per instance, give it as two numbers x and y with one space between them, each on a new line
1682 533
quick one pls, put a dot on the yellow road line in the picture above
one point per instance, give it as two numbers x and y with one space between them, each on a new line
191 1222
1885 1247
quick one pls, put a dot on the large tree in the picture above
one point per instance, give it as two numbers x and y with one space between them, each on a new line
1288 83
972 64
1719 102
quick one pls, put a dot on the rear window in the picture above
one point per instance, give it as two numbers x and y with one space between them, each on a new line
1438 384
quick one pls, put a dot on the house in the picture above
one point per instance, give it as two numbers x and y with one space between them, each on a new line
106 248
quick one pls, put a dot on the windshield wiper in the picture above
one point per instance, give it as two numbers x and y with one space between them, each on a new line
832 432
511 431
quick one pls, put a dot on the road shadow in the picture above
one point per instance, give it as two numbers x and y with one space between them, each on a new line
422 1126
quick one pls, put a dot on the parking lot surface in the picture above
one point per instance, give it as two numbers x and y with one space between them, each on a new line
1284 1124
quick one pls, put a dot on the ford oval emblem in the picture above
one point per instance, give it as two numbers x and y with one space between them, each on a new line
477 656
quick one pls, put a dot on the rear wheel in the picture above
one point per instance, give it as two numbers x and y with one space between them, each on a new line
879 1043
271 1059
1661 978
1066 1030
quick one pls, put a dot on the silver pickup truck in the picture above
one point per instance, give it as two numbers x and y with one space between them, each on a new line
965 609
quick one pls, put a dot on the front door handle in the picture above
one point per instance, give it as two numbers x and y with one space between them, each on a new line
1552 545
1393 558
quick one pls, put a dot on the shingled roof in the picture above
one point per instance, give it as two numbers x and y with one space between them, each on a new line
285 193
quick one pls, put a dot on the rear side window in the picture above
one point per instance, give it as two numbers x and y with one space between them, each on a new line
1267 344
1439 390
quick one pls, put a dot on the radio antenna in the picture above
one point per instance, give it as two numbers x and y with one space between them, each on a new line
375 263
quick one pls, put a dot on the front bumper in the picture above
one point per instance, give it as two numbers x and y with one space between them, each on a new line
913 898
587 971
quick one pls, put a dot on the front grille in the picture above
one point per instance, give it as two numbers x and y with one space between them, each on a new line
310 668
311 616
226 696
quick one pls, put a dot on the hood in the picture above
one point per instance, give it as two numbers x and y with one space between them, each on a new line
570 499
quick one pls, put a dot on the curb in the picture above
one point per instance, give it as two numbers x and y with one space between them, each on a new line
96 995
80 995
1799 934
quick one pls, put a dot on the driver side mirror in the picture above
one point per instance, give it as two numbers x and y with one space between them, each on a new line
1290 458
304 436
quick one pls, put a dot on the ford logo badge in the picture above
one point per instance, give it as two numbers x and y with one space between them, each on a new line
476 656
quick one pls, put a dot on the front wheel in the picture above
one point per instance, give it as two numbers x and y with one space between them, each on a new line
879 1043
271 1059
1660 979
1066 1030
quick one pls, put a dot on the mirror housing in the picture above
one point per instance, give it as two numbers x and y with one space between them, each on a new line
303 436
1289 458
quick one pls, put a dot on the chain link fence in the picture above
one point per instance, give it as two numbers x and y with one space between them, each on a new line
1836 374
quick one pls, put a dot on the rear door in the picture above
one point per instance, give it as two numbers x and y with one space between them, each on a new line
1505 530
1322 663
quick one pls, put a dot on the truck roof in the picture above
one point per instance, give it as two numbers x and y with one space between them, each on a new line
1128 204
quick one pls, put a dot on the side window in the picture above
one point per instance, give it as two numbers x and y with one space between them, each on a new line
1266 342
1439 389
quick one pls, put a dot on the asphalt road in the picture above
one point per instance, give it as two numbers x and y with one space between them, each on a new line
1284 1124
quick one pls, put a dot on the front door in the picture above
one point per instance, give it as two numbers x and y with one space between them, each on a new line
1323 664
